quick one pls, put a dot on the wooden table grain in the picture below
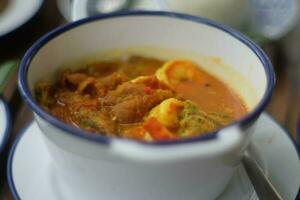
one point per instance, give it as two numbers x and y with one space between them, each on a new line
284 54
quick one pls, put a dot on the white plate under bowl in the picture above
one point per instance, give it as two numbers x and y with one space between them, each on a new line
32 174
16 13
5 123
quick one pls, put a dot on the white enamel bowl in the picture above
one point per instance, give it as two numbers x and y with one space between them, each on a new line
200 167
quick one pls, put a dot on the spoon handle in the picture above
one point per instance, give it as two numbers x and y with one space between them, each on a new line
263 187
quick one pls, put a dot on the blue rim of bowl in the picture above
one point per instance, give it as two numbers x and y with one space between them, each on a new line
24 23
8 125
9 172
25 92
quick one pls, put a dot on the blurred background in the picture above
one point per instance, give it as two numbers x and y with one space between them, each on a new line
273 24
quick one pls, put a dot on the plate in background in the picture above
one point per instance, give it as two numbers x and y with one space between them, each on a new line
5 123
16 13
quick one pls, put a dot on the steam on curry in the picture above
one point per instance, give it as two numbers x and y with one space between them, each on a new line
141 98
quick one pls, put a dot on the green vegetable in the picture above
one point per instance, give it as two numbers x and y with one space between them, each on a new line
7 70
43 93
88 123
221 118
193 121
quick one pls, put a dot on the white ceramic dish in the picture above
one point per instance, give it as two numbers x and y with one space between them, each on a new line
84 158
16 13
75 10
5 123
270 142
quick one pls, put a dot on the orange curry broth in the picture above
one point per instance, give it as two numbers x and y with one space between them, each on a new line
65 101
212 95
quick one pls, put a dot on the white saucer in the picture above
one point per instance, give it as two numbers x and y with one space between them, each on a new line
5 123
31 174
16 13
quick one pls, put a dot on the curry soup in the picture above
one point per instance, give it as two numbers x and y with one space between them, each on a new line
141 98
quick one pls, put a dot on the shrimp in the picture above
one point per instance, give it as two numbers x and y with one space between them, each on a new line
176 71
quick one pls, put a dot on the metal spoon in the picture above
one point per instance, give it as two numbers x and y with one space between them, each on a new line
262 185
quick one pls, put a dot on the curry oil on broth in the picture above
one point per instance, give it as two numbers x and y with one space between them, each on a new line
213 96
237 85
211 101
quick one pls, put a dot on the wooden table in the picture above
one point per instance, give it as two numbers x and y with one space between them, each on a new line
284 54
